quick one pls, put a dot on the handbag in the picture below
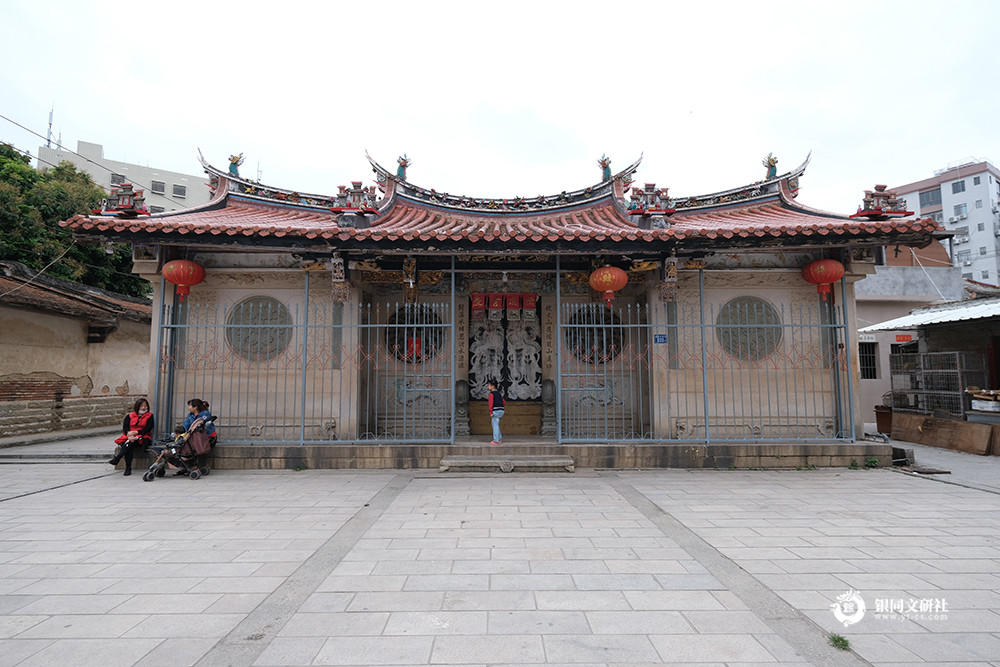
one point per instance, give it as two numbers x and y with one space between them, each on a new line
198 442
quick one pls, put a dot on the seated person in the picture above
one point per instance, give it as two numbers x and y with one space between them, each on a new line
198 412
136 430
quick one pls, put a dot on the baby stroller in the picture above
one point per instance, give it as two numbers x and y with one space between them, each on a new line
182 453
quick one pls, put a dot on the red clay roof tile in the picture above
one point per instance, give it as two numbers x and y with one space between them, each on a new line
599 221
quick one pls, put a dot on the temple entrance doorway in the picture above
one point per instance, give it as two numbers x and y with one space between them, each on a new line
505 344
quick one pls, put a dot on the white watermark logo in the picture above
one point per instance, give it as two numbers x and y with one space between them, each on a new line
924 609
849 608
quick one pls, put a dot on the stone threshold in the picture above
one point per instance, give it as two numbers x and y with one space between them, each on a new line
506 463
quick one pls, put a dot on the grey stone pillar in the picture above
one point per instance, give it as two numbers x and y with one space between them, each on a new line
462 409
548 408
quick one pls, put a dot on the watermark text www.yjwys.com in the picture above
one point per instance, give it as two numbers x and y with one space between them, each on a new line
850 608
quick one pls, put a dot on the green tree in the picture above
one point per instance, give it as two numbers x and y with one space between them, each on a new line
32 204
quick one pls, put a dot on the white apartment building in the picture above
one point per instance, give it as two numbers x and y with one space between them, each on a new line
965 197
164 190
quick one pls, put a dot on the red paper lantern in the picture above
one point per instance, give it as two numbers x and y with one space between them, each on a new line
822 272
608 279
184 273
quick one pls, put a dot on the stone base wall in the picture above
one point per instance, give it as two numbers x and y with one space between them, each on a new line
740 456
62 414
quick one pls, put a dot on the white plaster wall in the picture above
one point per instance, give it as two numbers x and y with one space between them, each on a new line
38 342
41 343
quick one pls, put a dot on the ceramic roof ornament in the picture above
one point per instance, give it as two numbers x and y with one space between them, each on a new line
771 163
605 164
403 162
234 164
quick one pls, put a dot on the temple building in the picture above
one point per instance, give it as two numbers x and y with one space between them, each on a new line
612 315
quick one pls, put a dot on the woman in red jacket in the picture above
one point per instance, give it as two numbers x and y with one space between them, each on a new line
136 433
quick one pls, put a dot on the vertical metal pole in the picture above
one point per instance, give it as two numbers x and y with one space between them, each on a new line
558 341
172 342
159 355
305 357
850 367
454 349
704 356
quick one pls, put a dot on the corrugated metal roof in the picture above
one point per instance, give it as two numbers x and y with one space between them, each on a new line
976 309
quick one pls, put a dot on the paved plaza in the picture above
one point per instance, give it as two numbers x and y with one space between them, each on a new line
322 567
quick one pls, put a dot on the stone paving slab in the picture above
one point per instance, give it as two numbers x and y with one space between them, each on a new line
409 568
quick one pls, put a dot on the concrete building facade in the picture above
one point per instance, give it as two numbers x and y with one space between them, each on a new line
965 198
907 279
164 190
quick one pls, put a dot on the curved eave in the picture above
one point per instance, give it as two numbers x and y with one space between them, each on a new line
774 222
772 219
406 190
265 193
759 190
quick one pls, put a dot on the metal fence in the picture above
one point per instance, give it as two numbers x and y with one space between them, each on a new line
746 370
376 372
923 383
311 374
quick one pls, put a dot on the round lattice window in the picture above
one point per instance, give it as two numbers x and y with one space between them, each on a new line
748 328
259 328
593 334
415 332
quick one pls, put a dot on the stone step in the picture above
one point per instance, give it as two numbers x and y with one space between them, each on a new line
507 463
65 456
33 460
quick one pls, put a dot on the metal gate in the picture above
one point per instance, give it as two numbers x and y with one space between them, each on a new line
310 374
745 370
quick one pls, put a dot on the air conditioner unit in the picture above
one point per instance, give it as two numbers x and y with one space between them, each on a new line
951 219
968 262
962 216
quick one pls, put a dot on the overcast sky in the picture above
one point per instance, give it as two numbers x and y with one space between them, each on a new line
514 98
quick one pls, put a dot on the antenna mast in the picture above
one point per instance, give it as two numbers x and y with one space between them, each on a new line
48 138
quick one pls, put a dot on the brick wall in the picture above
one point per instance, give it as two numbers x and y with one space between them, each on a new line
27 388
23 417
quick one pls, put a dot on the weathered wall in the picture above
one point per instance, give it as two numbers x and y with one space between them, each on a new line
51 379
915 285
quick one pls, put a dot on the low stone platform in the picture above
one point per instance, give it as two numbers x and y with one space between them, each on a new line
506 463
770 456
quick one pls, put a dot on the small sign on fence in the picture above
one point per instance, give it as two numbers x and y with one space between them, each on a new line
659 338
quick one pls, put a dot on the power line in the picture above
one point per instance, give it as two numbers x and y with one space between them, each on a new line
92 266
40 272
83 157
41 223
28 154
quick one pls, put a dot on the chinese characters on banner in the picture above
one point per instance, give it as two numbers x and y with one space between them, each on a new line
513 307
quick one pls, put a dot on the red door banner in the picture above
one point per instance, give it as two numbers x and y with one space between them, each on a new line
478 307
496 306
528 305
513 307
